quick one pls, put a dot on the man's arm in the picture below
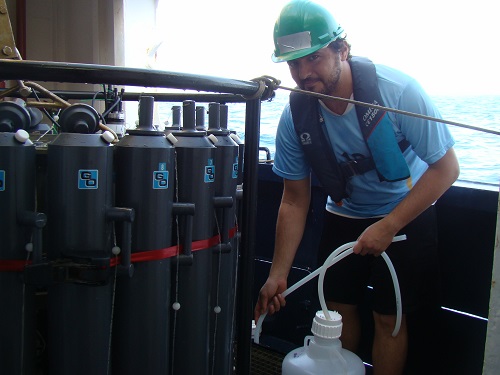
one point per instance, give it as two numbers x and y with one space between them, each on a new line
433 183
290 225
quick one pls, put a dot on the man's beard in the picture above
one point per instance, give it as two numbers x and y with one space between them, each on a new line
331 84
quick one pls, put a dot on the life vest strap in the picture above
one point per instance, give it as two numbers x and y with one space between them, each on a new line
361 166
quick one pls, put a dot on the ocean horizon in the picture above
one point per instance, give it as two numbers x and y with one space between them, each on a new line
478 152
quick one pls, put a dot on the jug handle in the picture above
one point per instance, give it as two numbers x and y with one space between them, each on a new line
307 340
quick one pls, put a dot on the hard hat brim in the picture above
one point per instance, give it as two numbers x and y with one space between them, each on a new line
297 54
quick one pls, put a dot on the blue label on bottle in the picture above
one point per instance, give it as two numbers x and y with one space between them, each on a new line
210 171
2 180
160 177
235 171
88 179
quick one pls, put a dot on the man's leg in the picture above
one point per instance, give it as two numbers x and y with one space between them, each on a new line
389 353
351 327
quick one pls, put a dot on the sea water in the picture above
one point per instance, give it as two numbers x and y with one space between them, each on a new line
478 152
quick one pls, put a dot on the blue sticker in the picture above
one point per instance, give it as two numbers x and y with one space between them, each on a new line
235 170
88 179
2 180
160 179
210 171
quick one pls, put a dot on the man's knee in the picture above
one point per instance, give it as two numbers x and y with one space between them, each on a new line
385 324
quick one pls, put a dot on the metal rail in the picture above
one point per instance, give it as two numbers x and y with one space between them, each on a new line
248 91
98 74
158 96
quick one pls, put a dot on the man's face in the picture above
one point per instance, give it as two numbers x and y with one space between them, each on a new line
318 72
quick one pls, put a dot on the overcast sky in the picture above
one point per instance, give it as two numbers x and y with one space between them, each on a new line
448 46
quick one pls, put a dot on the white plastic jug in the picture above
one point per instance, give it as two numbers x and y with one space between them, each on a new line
323 352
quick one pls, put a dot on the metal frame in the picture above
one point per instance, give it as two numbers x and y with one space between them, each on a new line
239 91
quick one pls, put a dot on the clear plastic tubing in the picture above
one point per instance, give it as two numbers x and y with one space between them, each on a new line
340 253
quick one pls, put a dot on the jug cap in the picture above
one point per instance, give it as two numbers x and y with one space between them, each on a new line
327 328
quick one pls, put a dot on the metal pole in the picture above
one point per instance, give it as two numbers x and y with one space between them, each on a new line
491 359
245 287
136 96
98 74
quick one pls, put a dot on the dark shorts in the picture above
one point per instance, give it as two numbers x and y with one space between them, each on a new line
415 261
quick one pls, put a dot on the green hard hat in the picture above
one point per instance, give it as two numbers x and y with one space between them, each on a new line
303 27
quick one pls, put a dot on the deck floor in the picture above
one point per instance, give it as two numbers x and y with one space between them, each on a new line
265 361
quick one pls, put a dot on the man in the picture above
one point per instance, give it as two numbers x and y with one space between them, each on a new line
383 176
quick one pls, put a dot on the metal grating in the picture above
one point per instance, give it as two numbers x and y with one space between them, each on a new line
265 361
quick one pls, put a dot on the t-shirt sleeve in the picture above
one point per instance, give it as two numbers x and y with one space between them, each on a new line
429 139
289 160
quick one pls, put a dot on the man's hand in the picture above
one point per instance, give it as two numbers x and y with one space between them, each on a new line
375 239
270 298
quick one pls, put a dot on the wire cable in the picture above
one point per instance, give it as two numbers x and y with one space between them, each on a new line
274 84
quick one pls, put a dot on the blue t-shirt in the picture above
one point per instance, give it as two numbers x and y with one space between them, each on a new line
368 196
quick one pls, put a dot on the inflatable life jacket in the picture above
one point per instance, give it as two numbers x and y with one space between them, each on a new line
386 153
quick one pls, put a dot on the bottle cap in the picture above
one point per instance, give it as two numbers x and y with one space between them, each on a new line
107 136
21 136
327 328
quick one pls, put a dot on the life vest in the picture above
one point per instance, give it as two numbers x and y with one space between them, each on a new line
386 154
